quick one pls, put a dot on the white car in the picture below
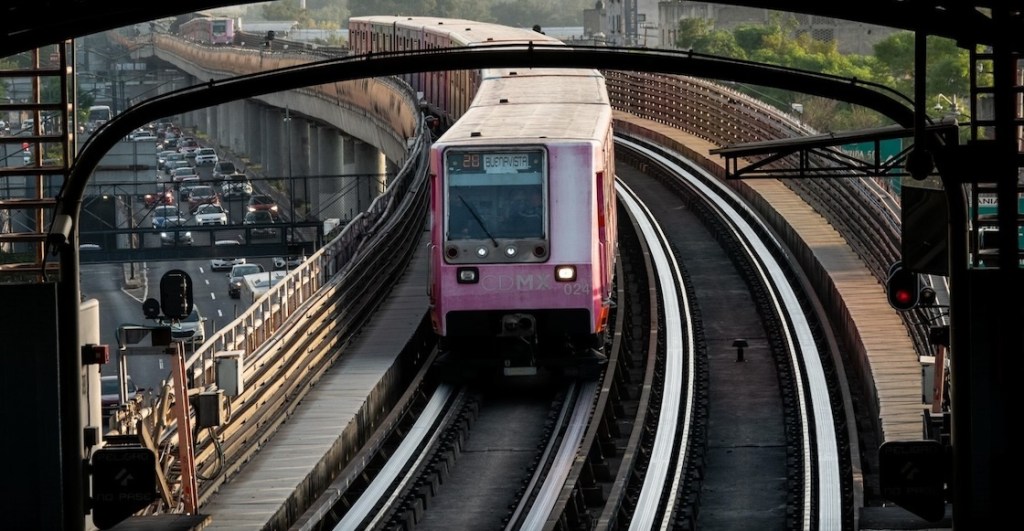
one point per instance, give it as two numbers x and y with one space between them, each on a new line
211 214
140 136
206 157
236 186
288 262
222 263
189 330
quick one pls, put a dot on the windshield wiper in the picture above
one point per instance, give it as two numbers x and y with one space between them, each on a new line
478 220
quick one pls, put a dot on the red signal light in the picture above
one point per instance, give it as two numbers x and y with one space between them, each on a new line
903 288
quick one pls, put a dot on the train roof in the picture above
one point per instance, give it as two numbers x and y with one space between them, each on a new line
529 122
542 85
517 105
528 72
466 32
535 108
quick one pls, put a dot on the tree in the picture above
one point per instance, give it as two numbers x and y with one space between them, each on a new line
692 30
282 10
948 66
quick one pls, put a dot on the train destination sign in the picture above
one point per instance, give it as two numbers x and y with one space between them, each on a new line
495 162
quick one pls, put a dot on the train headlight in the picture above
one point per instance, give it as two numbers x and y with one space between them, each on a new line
565 273
511 251
467 275
481 252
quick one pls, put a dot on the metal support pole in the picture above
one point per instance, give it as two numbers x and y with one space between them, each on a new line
186 457
70 381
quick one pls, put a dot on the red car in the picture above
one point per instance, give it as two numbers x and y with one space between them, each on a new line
262 202
162 198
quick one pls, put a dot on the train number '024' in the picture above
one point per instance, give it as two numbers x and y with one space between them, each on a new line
577 288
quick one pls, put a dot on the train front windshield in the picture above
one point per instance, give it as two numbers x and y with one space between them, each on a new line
495 194
220 28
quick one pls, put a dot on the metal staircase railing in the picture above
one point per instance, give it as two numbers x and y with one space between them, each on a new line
35 159
984 207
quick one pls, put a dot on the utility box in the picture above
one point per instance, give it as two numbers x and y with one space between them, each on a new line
229 365
209 409
927 378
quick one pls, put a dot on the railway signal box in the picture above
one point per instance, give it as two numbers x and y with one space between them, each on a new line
123 482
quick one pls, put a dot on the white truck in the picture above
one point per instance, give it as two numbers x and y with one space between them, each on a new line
254 285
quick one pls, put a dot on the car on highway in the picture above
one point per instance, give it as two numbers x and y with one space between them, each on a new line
183 172
224 169
172 164
162 158
110 392
288 262
203 195
188 146
185 187
235 278
143 136
262 202
236 187
210 214
166 216
225 251
175 235
206 157
260 224
222 263
190 330
161 198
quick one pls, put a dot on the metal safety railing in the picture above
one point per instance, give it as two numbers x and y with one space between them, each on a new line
36 141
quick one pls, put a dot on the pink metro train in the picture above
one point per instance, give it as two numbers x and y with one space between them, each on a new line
523 226
209 30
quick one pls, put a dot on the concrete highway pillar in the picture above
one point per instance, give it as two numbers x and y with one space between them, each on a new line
273 166
369 168
222 133
254 139
297 168
234 126
212 126
329 181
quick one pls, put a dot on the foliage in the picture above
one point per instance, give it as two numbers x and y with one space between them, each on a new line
779 43
691 31
322 14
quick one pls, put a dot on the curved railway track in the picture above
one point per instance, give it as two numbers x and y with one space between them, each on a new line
701 108
679 432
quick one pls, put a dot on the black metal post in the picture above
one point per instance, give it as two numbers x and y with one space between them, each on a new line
70 378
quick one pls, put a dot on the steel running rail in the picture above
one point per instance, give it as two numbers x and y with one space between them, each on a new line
799 339
677 353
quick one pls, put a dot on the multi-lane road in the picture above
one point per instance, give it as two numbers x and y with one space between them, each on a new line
122 288
121 305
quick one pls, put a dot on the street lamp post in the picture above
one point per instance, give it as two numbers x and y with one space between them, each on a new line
291 182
